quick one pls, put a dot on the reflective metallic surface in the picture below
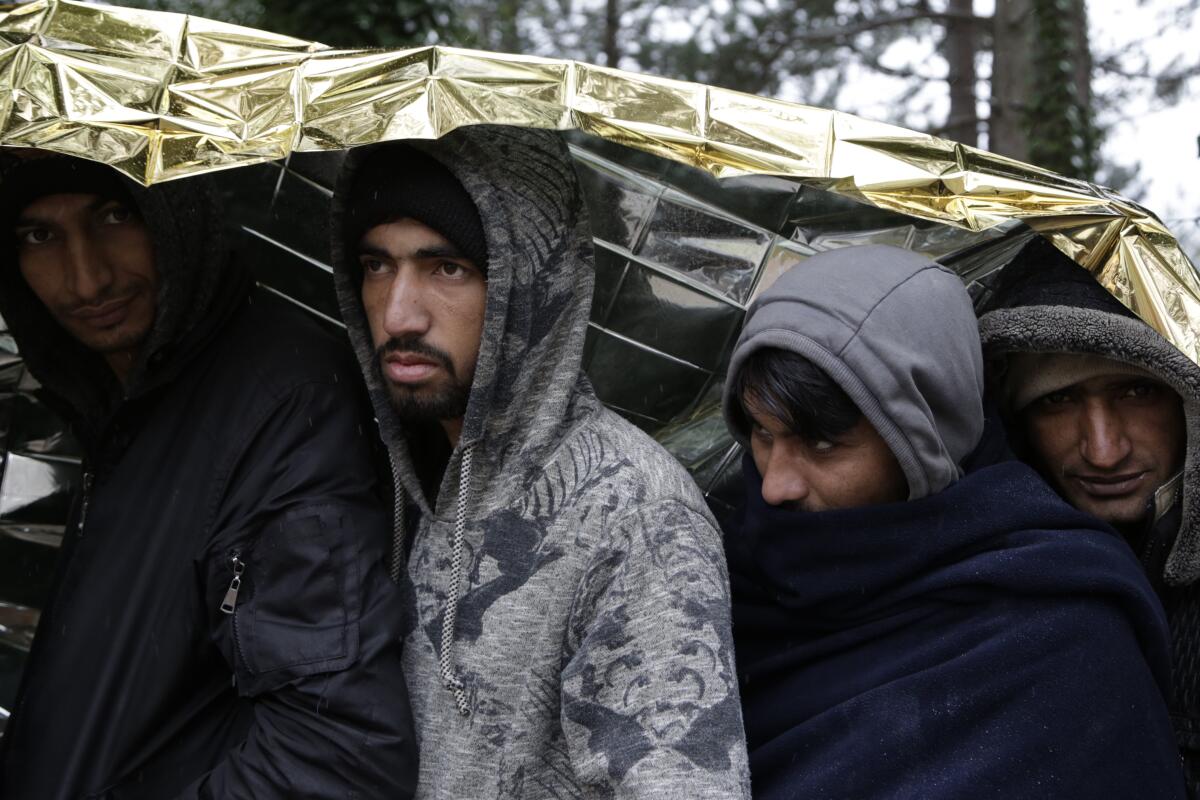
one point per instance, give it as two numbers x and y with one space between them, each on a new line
160 96
39 475
686 233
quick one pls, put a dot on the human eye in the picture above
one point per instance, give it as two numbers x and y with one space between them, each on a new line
33 236
452 269
1141 390
372 266
823 446
761 434
115 214
1052 399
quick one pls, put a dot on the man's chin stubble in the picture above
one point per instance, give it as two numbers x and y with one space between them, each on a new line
444 404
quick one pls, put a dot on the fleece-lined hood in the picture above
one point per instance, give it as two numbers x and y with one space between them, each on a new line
198 288
897 333
1046 303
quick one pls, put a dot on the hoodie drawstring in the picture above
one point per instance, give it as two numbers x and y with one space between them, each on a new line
453 595
399 532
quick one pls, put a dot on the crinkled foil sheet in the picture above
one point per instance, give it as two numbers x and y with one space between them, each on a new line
699 198
160 96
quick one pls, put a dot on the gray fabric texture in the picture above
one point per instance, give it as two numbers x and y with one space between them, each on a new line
592 637
897 333
1071 329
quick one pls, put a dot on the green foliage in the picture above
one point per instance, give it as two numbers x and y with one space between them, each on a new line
338 23
359 23
1058 115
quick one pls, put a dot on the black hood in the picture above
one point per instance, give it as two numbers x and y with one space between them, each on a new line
1046 303
198 289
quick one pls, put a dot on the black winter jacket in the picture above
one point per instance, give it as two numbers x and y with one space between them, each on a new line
240 450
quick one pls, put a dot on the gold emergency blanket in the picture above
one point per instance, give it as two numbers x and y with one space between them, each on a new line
161 96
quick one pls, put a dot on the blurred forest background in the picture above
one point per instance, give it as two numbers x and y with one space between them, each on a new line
1044 81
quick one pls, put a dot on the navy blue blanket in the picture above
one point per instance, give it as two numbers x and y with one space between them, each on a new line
988 641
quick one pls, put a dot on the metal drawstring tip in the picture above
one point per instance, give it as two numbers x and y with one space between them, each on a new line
460 696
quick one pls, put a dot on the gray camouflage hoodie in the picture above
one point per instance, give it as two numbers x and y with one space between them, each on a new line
572 638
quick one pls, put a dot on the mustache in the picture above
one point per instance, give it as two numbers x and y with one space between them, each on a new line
417 346
115 294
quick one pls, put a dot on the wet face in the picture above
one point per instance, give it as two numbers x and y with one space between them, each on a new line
425 305
858 469
90 261
1107 443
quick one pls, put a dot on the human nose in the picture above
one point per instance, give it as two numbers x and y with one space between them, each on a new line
406 312
88 270
1103 442
784 480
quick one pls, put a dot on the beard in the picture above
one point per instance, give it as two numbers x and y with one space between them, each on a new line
443 399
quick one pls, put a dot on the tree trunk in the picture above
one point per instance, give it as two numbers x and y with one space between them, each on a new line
1011 78
612 24
1083 86
507 13
958 46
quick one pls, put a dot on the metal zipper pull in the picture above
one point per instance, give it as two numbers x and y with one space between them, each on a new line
88 478
230 601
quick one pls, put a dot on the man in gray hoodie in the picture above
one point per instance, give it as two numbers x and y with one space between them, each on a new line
915 617
572 636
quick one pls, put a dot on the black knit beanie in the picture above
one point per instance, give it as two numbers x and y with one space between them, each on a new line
399 181
27 179
1042 275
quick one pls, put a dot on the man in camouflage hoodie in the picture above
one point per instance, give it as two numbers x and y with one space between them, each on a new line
572 637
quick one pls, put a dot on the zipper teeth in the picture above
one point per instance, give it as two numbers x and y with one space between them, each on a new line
88 478
237 642
237 638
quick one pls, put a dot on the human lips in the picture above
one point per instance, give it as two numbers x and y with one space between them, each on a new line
408 367
105 315
1111 486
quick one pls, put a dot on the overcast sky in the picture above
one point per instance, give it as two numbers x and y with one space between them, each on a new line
1161 138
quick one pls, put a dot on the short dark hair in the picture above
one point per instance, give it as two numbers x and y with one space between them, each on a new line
795 391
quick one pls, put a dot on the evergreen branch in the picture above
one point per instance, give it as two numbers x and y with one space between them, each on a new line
846 32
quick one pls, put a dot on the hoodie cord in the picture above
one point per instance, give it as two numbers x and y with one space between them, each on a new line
452 597
396 562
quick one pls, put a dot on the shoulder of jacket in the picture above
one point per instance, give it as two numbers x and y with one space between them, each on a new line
276 349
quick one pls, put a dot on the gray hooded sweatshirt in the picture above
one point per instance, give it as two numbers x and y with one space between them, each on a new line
897 333
572 637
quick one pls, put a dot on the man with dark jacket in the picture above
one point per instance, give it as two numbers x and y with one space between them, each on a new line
572 634
221 624
912 617
1109 412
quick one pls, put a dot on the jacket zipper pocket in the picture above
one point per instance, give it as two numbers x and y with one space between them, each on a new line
231 594
229 606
